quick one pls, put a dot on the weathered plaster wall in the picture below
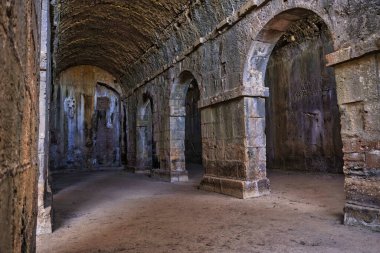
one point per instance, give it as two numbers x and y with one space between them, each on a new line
302 114
19 61
84 119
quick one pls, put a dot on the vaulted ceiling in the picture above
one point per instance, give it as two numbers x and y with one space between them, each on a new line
111 34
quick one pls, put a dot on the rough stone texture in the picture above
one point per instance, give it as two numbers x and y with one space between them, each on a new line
359 98
85 120
303 121
155 47
19 61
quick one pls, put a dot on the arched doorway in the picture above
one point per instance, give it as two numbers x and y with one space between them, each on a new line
302 114
298 102
185 127
193 134
107 126
145 146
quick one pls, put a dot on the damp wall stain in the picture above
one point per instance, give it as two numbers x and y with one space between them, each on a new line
85 134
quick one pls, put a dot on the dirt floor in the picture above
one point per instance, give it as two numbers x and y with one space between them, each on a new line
121 212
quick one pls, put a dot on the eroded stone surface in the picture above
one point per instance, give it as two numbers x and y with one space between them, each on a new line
86 117
361 138
19 61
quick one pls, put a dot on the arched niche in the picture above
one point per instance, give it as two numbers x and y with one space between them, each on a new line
255 75
144 134
107 126
182 137
263 44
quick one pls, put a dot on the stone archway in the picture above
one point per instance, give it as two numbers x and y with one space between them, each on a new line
193 132
144 135
179 133
316 99
107 129
302 114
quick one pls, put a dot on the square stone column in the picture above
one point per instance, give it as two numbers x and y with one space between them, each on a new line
173 167
177 165
358 89
233 143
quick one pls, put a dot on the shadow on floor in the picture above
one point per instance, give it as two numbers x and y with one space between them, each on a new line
121 212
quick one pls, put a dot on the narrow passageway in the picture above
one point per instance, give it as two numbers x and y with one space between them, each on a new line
122 212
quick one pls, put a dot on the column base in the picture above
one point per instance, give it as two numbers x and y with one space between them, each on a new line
179 176
356 215
236 188
170 176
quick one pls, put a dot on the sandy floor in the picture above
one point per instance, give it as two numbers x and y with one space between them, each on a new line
121 212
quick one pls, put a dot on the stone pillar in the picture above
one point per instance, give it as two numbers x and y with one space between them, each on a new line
358 88
175 169
254 117
44 222
144 134
233 143
178 172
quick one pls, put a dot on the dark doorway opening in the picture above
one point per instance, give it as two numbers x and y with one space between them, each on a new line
193 134
302 115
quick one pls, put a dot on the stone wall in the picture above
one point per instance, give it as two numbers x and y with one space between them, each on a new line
218 35
85 118
19 60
